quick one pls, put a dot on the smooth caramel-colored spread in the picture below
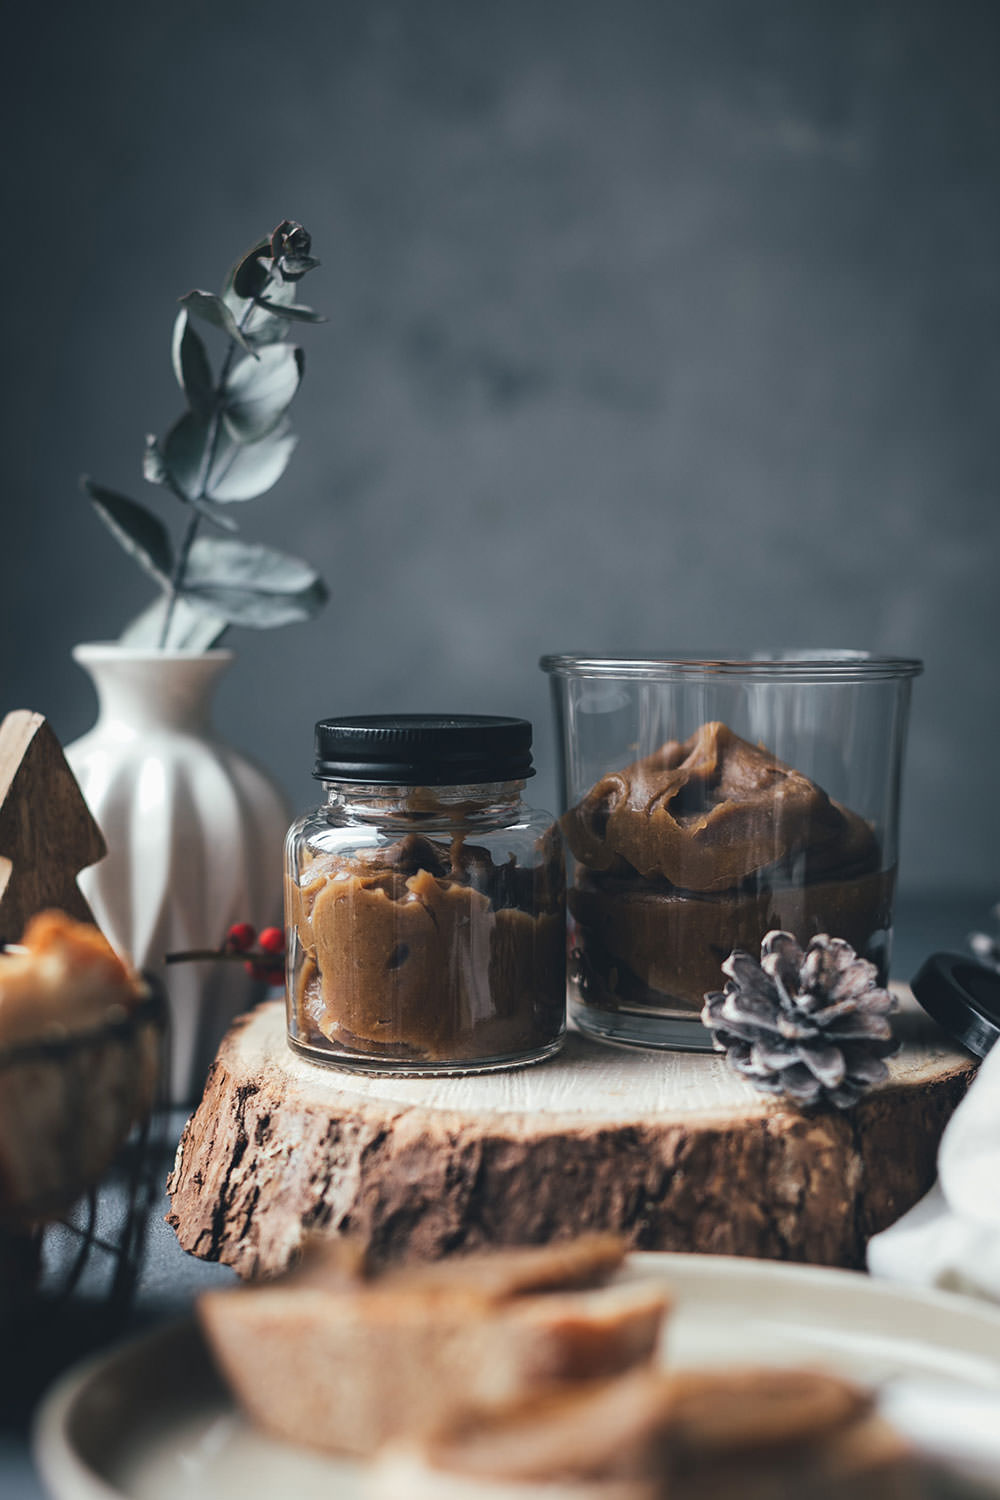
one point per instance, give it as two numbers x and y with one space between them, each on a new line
703 847
428 951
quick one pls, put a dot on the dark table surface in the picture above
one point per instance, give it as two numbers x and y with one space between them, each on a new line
168 1279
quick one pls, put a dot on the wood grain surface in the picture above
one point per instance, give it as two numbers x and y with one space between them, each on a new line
672 1149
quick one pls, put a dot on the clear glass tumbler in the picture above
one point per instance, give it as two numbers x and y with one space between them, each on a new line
707 802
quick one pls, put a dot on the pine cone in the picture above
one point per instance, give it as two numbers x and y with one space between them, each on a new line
814 1026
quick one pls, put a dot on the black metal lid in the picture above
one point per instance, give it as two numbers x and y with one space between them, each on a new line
423 749
963 996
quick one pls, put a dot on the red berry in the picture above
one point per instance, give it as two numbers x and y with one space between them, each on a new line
272 940
239 938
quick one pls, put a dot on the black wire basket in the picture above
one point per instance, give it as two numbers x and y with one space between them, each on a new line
72 1255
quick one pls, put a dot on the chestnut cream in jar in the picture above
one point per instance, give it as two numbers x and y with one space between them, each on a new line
424 901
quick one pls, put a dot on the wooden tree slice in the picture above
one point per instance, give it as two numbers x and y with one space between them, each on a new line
671 1149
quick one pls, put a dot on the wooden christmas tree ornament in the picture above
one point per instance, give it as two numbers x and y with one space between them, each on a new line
47 833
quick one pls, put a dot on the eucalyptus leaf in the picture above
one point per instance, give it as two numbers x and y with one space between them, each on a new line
258 610
294 267
250 584
242 471
249 310
191 365
142 534
220 560
258 391
267 325
212 309
296 311
179 465
185 456
250 275
185 453
238 307
192 626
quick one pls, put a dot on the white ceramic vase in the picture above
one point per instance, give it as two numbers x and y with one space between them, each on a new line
194 834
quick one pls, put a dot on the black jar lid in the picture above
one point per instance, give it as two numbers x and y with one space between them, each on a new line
423 749
963 996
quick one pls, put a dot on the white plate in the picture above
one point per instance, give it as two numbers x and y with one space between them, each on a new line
149 1421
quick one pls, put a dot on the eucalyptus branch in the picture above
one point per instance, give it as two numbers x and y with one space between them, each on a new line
231 444
211 448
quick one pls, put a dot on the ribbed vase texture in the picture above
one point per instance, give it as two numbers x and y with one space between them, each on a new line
194 834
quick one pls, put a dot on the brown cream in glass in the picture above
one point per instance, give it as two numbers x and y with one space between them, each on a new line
425 901
421 949
703 847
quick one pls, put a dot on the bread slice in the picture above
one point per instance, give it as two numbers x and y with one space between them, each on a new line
648 1435
79 1057
344 1364
596 1441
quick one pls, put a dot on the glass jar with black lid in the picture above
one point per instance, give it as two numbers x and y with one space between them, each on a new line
424 901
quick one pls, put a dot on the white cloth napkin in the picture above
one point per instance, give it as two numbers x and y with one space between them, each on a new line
951 1238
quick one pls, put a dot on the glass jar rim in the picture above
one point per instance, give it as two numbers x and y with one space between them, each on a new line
762 666
390 791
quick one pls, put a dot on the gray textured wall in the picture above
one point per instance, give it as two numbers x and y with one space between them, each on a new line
651 323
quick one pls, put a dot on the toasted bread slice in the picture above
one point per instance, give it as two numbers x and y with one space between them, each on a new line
344 1364
648 1435
79 1058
